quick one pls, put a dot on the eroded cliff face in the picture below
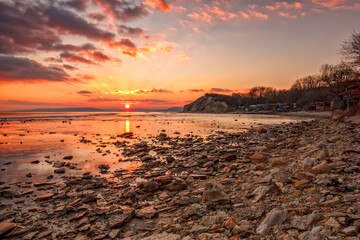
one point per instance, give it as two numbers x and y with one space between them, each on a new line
210 103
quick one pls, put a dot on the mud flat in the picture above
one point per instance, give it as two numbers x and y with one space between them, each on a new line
287 181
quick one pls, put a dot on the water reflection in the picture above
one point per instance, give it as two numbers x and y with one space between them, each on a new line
127 126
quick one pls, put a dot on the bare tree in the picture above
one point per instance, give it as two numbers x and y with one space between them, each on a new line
350 49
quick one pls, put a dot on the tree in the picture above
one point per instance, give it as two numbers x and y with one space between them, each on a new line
350 49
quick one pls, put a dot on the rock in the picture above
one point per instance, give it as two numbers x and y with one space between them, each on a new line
195 209
332 223
231 223
114 233
257 157
230 157
163 179
88 198
147 212
260 192
244 226
149 186
29 175
214 195
336 200
351 231
163 236
211 103
197 229
44 197
35 162
44 234
314 234
321 168
60 171
274 217
6 227
176 185
68 157
117 221
104 168
304 222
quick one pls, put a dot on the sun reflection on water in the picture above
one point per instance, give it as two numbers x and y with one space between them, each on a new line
127 126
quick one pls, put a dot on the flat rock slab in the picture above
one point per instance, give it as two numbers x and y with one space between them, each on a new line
6 227
163 236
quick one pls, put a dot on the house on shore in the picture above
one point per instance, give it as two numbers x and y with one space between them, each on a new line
349 105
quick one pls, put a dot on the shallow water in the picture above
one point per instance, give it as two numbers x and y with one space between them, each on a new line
25 137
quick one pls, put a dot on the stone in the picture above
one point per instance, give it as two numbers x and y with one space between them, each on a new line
35 162
321 168
44 197
147 212
214 195
230 157
257 157
230 223
163 179
336 200
304 222
29 175
68 157
274 217
60 171
244 226
314 234
260 192
163 236
195 209
44 234
114 233
117 221
149 186
176 185
6 227
332 223
351 231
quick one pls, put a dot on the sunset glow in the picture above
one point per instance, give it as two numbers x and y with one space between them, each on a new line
127 106
161 54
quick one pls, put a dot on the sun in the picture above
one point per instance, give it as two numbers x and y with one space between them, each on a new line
127 106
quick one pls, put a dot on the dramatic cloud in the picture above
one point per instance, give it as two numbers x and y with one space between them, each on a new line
71 57
159 4
69 67
69 47
67 22
132 31
122 10
79 5
23 69
140 91
126 46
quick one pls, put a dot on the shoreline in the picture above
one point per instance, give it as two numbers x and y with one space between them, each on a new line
281 181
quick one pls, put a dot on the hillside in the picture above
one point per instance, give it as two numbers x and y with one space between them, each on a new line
212 103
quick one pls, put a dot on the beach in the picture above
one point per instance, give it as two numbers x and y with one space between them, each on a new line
178 176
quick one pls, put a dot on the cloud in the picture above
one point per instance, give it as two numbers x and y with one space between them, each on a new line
122 10
79 5
220 90
285 5
126 46
69 67
71 57
159 4
132 101
84 92
69 23
28 103
132 31
140 91
14 69
24 30
196 90
69 47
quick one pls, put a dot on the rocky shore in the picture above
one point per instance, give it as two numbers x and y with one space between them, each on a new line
288 181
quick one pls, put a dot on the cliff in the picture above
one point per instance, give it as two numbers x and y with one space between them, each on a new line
212 103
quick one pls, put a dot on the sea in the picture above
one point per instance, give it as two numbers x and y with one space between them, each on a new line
93 138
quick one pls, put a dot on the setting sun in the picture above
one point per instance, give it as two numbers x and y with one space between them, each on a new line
127 106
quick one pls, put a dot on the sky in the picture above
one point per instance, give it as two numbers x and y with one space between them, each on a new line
161 53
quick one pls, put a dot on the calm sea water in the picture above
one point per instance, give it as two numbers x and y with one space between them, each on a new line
25 137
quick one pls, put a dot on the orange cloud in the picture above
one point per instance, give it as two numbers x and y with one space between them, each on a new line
255 14
126 46
162 5
295 5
